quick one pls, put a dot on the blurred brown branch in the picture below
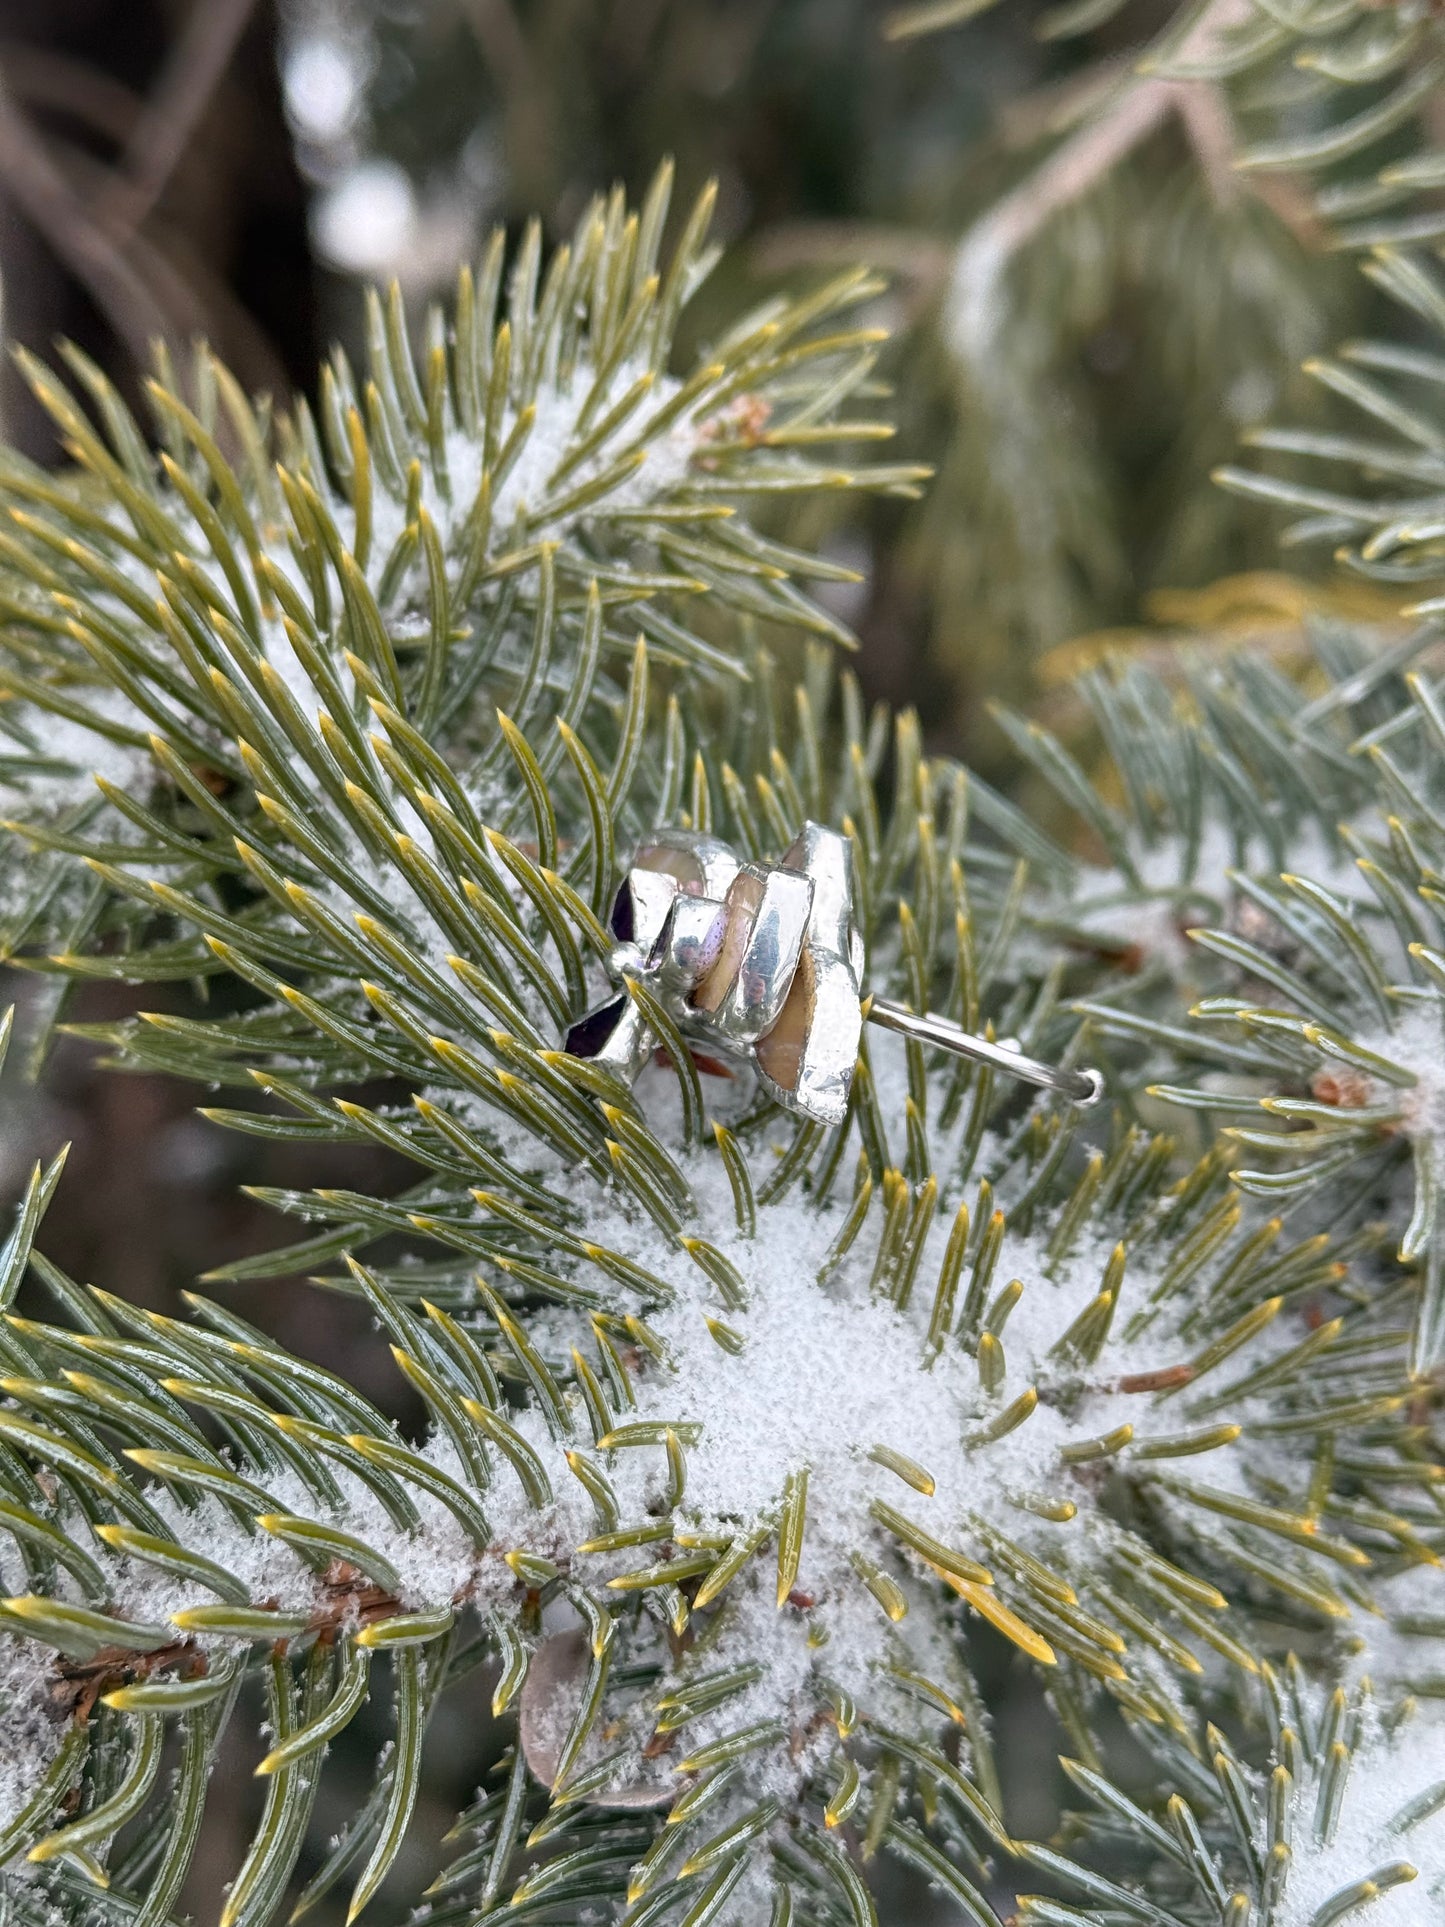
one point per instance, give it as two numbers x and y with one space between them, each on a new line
526 104
54 82
161 135
139 212
916 259
78 237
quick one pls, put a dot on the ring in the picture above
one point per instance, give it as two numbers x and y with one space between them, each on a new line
762 965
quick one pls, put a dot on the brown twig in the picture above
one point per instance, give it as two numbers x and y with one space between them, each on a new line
136 281
504 50
819 244
917 260
632 28
504 46
173 110
1058 106
1142 103
37 187
197 301
53 82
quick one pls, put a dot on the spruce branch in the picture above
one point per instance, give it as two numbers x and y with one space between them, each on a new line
745 1438
1338 1819
820 1640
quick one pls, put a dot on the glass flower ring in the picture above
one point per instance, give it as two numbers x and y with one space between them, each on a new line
762 965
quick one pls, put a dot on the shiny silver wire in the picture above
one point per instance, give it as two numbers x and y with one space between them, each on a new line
1080 1087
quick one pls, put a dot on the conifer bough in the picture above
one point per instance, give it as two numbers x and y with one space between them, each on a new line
747 1440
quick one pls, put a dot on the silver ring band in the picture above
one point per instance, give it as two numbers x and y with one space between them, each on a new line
1080 1087
722 944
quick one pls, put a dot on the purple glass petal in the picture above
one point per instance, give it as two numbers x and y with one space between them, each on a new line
590 1034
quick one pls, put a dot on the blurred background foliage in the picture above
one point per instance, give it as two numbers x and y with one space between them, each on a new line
1087 306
